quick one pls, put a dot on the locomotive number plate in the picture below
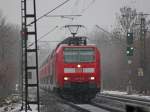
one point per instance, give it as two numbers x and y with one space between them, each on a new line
79 70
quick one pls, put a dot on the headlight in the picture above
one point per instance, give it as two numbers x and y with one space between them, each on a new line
66 78
78 65
92 78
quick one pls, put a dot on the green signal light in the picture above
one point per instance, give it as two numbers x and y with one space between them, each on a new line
130 51
131 48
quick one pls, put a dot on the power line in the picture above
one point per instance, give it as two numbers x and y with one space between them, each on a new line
91 3
44 35
48 32
110 34
49 12
50 41
107 32
103 30
64 16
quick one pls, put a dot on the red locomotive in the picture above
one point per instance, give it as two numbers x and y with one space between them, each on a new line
73 68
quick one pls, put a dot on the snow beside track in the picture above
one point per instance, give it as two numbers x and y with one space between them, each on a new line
16 108
126 94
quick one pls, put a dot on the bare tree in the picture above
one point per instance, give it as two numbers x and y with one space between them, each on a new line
9 55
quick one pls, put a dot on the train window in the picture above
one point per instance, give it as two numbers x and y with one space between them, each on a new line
79 55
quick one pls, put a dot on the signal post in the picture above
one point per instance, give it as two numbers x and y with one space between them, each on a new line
129 53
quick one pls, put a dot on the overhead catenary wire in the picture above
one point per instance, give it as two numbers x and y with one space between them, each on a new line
48 12
111 35
54 41
46 15
92 2
64 16
53 29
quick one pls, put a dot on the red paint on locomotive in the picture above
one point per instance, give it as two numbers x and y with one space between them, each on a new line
70 66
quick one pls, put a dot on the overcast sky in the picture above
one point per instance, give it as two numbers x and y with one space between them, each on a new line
101 12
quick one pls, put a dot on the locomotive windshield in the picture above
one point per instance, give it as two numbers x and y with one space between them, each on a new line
73 55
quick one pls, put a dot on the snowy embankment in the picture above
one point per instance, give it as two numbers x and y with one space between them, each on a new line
126 94
16 108
12 104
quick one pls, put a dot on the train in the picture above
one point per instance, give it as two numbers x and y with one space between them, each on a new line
72 69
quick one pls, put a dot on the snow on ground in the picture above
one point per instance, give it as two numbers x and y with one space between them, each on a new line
126 94
33 107
16 108
114 92
2 109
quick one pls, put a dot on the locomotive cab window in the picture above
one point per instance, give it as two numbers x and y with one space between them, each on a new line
79 55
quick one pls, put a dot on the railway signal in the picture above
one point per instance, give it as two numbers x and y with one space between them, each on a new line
129 38
130 51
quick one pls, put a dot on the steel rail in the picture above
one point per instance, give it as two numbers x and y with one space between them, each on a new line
130 103
127 99
80 107
107 107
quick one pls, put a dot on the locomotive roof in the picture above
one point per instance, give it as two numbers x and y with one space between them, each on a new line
77 40
88 45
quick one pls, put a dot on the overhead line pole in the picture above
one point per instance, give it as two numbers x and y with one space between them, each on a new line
142 37
28 32
142 43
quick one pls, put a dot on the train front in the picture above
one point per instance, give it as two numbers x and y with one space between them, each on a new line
79 70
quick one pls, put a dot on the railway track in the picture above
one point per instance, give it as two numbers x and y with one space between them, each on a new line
106 106
76 107
85 107
127 103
